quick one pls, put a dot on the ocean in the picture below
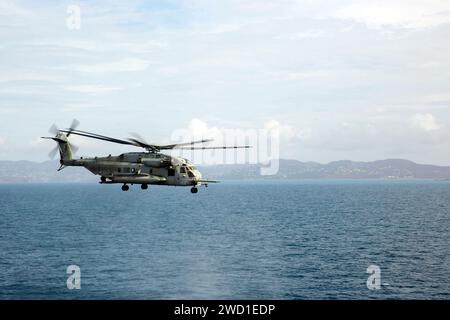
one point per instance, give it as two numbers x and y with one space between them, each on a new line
234 240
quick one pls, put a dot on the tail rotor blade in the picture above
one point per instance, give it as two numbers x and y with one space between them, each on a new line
74 148
53 153
73 126
53 129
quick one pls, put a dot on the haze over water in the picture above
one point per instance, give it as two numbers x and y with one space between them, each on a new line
235 240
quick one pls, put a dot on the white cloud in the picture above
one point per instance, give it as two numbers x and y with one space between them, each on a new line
410 14
310 34
92 89
29 90
436 98
199 129
426 122
78 106
294 76
138 47
289 133
9 8
124 65
8 75
224 28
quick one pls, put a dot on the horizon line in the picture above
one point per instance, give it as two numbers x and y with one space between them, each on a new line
280 159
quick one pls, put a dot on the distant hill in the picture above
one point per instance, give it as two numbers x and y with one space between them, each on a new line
344 169
27 171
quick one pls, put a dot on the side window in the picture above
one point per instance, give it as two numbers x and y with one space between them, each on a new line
171 172
119 170
183 170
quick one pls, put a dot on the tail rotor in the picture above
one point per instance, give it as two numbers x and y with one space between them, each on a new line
65 148
73 126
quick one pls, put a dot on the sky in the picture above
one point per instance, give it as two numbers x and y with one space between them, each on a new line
358 80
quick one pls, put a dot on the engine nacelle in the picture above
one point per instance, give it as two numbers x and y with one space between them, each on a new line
156 163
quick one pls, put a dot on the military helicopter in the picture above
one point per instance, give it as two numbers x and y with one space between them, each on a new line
144 168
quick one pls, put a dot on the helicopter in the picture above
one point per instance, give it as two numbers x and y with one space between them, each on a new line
150 167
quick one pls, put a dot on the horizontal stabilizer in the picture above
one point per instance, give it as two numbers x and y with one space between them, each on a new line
208 181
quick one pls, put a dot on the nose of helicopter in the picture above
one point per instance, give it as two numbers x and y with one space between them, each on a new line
197 175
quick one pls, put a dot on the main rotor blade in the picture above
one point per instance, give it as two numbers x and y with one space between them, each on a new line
175 146
138 137
213 148
73 126
141 142
144 145
99 137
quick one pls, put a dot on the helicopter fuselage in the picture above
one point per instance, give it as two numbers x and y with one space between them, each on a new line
143 168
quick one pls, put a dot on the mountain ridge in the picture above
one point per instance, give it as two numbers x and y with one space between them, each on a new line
29 171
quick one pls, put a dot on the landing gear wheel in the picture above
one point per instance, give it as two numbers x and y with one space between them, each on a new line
103 179
194 190
144 186
125 187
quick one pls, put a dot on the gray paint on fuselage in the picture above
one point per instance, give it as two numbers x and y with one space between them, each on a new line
138 168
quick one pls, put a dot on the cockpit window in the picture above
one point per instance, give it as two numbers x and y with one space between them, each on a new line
183 170
190 174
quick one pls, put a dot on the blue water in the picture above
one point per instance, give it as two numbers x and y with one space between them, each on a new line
235 240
